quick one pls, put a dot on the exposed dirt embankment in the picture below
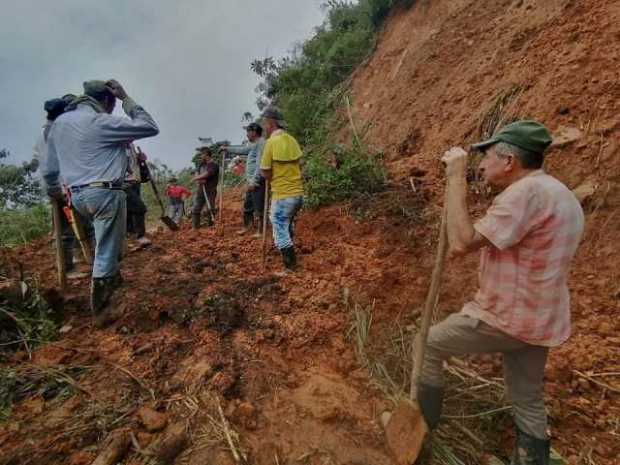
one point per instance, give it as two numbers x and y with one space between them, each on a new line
442 71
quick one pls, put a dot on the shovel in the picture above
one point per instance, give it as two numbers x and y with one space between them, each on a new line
406 427
78 231
164 218
209 206
60 251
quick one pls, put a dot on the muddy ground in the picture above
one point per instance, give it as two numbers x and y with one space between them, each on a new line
204 325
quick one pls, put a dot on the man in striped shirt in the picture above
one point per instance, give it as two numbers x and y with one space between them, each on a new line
527 239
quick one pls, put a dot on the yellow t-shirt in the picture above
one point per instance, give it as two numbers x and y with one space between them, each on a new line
281 155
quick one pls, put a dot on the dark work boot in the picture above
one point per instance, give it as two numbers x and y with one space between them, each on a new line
259 227
195 220
288 258
530 450
100 293
430 399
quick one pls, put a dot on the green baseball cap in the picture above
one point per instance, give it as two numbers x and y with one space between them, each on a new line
528 135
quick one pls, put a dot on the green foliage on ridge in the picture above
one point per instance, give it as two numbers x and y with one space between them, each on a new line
309 86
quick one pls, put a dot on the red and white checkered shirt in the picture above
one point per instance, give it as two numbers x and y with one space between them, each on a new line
535 226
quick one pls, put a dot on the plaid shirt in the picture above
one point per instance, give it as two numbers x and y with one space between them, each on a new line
535 226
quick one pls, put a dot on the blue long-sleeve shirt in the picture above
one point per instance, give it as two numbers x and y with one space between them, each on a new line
86 146
254 152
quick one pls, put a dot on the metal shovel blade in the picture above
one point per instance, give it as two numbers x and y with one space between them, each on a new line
405 432
170 223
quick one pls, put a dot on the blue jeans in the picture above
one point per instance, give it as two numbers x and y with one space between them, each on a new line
107 211
282 218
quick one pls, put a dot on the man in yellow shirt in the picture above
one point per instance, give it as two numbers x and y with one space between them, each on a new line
280 165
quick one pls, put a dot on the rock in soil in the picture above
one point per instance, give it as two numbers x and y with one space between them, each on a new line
152 420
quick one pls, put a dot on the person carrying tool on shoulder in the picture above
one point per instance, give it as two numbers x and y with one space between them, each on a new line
280 165
176 199
88 147
206 192
54 108
254 200
527 240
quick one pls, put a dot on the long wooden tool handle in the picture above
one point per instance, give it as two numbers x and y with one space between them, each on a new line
60 250
209 206
80 235
220 213
431 300
265 209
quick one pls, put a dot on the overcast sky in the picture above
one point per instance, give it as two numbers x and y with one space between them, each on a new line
185 61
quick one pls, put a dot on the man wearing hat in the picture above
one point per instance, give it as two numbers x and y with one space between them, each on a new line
176 199
527 240
254 202
206 180
54 108
88 147
280 165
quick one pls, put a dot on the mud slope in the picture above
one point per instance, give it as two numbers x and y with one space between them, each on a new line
439 70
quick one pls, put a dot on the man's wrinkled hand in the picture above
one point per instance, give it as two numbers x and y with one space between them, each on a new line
251 187
117 89
455 162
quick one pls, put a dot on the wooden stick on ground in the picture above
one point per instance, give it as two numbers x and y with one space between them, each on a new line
238 456
116 448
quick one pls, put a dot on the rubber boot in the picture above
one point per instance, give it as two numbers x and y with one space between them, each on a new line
430 400
195 220
100 293
530 450
259 228
288 258
247 223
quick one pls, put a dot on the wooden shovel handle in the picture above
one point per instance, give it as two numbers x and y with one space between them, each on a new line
60 251
431 300
265 209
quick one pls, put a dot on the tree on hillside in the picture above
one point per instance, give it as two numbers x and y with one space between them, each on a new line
18 186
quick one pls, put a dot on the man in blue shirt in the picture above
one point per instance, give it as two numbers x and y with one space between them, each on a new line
88 146
255 195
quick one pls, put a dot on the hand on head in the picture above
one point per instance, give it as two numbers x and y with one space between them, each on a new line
116 88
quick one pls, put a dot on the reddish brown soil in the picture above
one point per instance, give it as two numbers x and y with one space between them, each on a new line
202 323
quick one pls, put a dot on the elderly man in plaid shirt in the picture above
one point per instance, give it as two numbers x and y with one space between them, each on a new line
527 239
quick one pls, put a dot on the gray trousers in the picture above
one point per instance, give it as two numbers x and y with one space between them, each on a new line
524 365
175 211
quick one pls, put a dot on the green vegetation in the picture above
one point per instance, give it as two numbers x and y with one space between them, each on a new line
310 86
21 225
26 319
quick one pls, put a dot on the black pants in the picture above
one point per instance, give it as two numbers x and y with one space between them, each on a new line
136 211
254 204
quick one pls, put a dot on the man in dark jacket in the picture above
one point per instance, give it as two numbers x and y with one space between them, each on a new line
206 181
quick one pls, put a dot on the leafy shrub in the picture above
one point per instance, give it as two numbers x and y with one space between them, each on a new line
343 175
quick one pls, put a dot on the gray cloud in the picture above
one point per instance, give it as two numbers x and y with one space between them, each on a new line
187 62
